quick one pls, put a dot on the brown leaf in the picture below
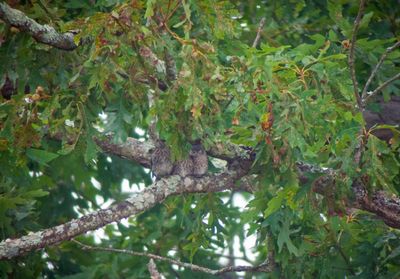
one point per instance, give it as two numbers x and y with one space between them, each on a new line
267 120
346 44
39 90
235 121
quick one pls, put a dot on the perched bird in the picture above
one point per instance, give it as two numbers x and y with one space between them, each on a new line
200 161
161 164
184 168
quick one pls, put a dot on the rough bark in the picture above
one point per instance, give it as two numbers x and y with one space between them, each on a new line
132 149
42 33
379 203
139 202
140 151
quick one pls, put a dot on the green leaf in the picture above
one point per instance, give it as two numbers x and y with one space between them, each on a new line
273 205
150 5
335 13
284 238
35 193
366 19
41 156
395 253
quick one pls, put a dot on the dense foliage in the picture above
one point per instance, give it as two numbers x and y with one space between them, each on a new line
291 99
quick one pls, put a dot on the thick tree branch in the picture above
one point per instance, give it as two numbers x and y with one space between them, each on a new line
379 203
139 202
351 58
132 149
264 267
42 33
386 208
139 151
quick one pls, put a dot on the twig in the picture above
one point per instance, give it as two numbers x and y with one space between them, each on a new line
154 273
380 87
258 36
173 11
339 248
351 52
375 70
264 267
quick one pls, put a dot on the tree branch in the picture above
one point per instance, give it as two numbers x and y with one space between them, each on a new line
351 52
132 149
386 208
170 66
375 70
380 87
154 273
259 29
139 202
379 203
42 33
264 267
139 151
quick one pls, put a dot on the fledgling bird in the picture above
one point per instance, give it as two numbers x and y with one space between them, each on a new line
200 161
184 168
161 164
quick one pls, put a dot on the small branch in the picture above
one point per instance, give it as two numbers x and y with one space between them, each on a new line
339 248
380 87
360 146
154 274
42 33
259 29
265 267
375 70
351 52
